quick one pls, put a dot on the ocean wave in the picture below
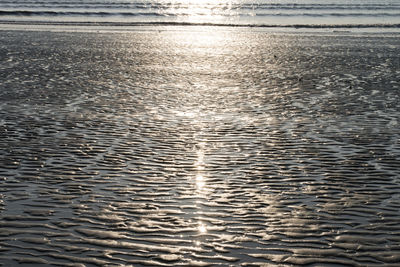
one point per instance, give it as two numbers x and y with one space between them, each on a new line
167 5
243 12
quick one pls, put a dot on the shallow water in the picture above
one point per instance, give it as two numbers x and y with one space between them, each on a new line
197 147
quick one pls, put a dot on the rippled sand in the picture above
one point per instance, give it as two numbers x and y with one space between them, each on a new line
198 147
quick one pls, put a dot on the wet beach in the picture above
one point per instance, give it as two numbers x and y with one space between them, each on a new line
199 146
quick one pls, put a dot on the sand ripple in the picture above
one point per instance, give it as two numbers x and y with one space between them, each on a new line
199 148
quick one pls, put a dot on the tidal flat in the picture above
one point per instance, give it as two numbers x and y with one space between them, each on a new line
199 146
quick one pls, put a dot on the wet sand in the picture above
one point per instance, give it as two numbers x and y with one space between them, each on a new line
199 147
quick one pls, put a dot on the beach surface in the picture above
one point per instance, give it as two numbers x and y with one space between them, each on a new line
199 146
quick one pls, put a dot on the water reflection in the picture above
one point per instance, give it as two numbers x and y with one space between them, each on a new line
200 11
179 162
199 164
202 228
200 182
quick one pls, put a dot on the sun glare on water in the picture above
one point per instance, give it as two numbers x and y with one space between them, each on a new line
201 11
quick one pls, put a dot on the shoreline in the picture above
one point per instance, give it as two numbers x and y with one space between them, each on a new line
133 26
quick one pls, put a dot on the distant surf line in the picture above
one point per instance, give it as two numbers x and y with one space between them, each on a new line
178 14
170 23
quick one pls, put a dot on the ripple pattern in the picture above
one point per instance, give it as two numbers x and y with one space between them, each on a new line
200 147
